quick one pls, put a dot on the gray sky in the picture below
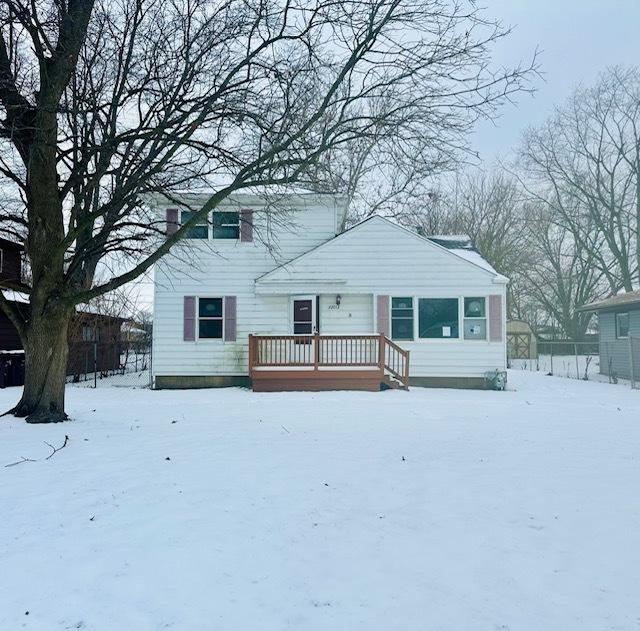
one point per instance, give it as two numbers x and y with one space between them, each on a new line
577 39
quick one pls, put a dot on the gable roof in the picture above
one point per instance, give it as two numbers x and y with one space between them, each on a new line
466 254
630 298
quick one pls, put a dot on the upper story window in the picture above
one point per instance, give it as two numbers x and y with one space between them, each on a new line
199 231
622 325
402 318
475 319
438 318
226 225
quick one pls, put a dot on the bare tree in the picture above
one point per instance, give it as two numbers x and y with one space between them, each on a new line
584 165
106 101
488 208
562 275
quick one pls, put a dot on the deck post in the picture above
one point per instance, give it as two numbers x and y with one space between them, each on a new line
251 353
406 369
316 350
381 349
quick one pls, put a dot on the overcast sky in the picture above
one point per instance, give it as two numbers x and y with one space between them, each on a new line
577 39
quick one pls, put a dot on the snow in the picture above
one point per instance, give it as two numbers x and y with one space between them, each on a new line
474 257
394 511
15 296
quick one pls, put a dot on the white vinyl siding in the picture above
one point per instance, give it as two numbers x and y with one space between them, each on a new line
375 258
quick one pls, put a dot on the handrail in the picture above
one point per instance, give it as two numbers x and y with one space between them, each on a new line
323 351
396 361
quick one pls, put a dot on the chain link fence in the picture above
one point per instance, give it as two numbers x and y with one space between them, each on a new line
620 360
122 363
562 358
617 361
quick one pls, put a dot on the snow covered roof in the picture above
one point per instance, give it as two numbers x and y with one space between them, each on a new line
15 296
462 245
620 300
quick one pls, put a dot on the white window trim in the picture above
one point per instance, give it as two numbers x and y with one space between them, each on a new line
618 336
413 308
237 225
205 222
484 319
314 314
223 317
436 340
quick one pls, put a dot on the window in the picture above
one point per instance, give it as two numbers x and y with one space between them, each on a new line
402 318
90 333
226 225
438 318
622 325
210 318
199 231
475 319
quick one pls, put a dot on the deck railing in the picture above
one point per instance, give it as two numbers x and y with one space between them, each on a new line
317 352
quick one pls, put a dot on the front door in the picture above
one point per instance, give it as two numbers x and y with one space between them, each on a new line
304 316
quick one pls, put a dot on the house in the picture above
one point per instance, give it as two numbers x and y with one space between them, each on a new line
619 334
280 300
94 339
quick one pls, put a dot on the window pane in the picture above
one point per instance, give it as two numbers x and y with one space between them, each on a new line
210 307
199 231
475 329
402 329
302 328
474 308
210 328
226 225
402 303
438 317
622 324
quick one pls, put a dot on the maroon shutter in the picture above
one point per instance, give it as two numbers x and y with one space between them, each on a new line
495 318
229 318
246 225
383 315
172 221
189 319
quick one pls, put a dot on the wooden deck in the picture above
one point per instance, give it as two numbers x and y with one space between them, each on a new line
326 362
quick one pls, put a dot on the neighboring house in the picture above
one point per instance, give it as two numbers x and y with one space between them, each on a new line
618 325
377 305
86 328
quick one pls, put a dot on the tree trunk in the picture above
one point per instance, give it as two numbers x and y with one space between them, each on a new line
46 349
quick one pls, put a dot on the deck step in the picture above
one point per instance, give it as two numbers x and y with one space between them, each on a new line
391 383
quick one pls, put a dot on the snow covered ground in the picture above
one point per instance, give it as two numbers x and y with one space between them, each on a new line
393 511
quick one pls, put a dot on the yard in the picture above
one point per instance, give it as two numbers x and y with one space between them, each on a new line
393 511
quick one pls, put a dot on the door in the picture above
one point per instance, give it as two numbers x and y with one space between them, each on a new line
303 316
